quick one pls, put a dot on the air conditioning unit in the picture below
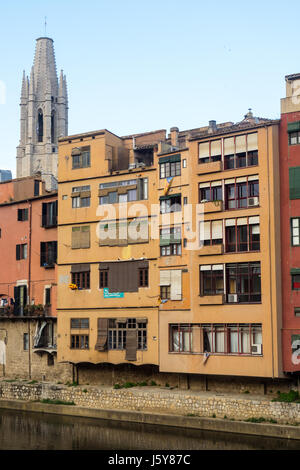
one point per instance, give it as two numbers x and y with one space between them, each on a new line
256 348
204 200
140 165
253 201
131 166
232 298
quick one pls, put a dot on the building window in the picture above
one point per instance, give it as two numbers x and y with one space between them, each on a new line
48 296
50 360
118 333
81 196
240 151
143 277
242 234
181 338
170 204
243 282
40 126
295 231
36 188
241 192
169 169
293 129
123 191
170 241
21 251
80 323
48 255
210 191
25 341
294 182
237 339
210 151
49 214
22 214
81 157
81 237
211 279
297 311
79 342
81 279
211 232
103 278
165 292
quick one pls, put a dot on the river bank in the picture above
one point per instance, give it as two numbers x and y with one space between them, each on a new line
160 406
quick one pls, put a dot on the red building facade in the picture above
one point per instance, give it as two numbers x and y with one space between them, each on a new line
290 223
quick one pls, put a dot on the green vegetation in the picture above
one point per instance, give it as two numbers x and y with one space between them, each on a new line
246 391
192 414
214 416
167 385
33 382
153 383
290 397
256 420
84 390
134 384
56 402
71 384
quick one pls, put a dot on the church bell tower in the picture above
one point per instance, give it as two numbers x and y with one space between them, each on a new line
44 116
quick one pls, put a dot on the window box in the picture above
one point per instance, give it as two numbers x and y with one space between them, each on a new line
213 206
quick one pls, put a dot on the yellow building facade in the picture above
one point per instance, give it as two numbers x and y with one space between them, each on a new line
169 250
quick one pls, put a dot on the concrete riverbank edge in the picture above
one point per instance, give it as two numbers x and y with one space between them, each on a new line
159 419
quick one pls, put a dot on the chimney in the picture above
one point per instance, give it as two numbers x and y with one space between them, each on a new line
212 127
174 136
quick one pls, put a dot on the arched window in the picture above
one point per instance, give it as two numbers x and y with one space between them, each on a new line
40 126
53 127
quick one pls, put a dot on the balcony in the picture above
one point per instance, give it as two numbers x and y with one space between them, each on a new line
209 167
211 250
217 299
212 206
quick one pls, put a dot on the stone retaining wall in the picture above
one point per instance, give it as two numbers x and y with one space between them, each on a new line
156 400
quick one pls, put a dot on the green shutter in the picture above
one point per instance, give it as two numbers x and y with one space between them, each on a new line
294 126
294 176
170 158
295 271
162 198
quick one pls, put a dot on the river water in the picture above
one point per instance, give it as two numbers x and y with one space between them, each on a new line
37 431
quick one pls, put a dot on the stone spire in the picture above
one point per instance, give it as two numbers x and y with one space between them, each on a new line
44 115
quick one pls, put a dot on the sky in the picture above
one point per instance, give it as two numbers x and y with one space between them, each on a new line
140 65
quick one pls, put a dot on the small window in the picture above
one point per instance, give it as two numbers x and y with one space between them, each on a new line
48 296
103 280
22 214
185 200
21 251
165 292
80 323
50 360
25 341
79 342
143 277
81 158
295 281
36 188
82 279
295 231
297 311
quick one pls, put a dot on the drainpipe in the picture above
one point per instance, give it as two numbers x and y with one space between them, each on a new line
5 341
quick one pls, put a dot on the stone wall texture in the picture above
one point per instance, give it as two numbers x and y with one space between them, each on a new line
161 400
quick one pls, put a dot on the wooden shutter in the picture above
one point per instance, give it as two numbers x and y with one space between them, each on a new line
176 291
165 278
76 237
131 344
101 344
85 237
294 176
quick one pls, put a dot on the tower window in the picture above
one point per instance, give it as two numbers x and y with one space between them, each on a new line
40 127
53 127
